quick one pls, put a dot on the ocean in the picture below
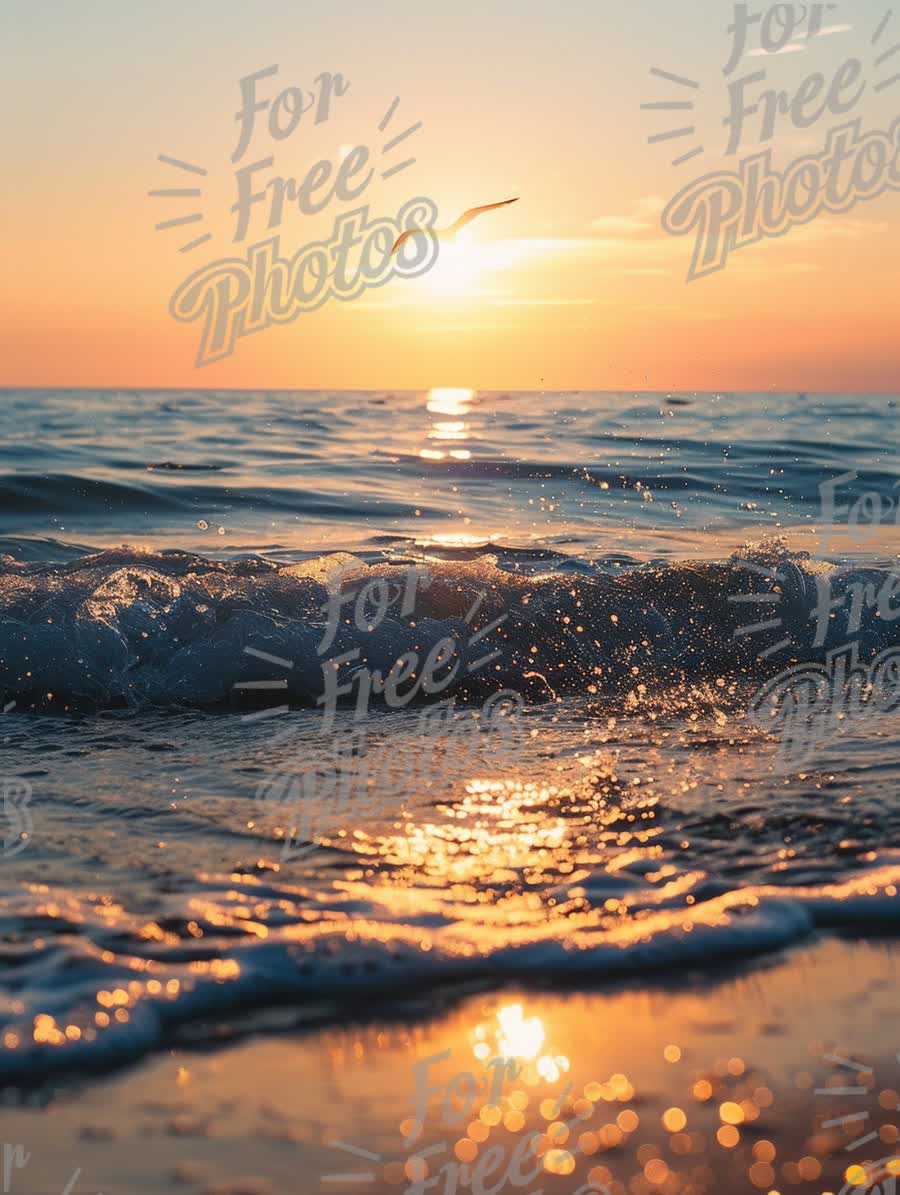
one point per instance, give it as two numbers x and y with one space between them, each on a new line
562 785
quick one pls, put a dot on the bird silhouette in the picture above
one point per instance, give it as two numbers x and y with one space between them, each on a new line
447 234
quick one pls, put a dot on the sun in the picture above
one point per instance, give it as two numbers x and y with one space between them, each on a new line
458 268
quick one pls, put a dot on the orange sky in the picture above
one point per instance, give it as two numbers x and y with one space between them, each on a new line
575 286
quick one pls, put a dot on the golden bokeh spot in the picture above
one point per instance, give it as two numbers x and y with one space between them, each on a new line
513 1121
559 1161
465 1150
395 1174
810 1168
416 1170
600 1176
731 1113
611 1136
588 1143
656 1171
490 1114
628 1121
674 1120
762 1175
478 1132
557 1133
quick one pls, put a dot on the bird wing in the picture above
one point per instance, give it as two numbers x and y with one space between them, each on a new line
404 236
464 219
470 215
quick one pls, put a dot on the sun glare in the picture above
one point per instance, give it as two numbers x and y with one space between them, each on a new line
519 1037
449 400
458 268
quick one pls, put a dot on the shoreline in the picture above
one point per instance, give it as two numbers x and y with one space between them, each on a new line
693 1083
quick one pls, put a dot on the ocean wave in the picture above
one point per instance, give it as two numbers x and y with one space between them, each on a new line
132 628
104 986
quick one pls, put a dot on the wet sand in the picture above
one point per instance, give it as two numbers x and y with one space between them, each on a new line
697 1085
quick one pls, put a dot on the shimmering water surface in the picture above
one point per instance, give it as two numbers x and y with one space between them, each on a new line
165 561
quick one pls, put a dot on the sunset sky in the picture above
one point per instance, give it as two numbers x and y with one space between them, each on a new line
575 286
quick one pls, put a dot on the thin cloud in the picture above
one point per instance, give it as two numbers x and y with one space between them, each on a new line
790 48
798 46
543 302
642 221
839 228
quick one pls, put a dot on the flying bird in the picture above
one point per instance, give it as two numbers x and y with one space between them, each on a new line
447 234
